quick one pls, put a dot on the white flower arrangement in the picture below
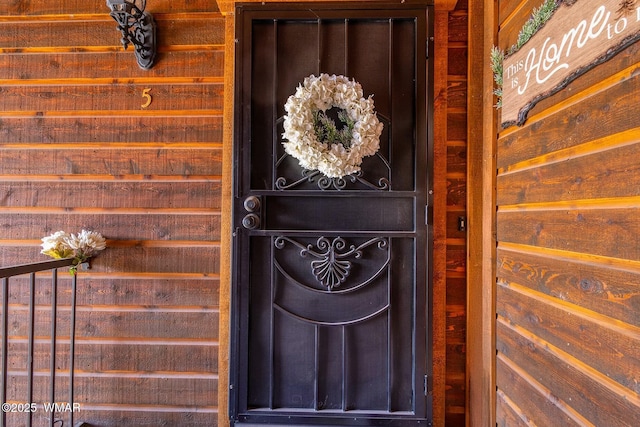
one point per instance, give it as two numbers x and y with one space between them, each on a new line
311 136
81 246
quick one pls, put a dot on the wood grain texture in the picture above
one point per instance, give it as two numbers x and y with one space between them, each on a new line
198 392
100 31
110 63
136 192
603 344
593 284
508 414
16 7
150 415
76 161
624 63
455 64
457 158
457 126
610 231
513 14
567 259
590 116
456 191
103 291
79 151
592 395
458 26
532 398
480 204
115 324
109 96
600 169
457 93
456 292
123 225
107 129
440 353
226 224
171 360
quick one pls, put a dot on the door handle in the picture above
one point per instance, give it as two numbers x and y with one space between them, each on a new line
251 221
252 205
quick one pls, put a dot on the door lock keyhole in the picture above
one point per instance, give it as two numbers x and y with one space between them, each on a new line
251 221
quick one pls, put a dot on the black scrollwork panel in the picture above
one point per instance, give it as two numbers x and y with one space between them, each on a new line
353 333
331 280
325 183
331 261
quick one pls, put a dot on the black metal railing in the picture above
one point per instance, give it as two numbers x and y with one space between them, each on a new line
24 404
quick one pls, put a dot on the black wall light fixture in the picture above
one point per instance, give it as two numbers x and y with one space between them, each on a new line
137 27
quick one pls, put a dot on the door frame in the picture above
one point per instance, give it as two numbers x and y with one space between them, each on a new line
423 216
437 200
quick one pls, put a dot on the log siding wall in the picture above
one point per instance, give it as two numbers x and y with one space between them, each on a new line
77 150
568 260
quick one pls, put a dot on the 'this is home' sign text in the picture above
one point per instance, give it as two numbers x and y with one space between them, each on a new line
580 35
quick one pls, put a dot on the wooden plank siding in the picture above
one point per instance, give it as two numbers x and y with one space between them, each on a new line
568 254
456 206
77 150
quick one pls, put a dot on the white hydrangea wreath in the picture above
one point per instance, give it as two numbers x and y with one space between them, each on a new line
319 94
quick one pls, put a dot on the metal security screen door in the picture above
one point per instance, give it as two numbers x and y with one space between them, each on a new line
331 276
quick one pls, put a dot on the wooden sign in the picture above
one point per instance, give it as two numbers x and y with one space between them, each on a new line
578 36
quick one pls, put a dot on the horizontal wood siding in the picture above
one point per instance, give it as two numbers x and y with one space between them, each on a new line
568 256
78 150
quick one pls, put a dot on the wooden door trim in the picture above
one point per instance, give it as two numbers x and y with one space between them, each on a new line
481 202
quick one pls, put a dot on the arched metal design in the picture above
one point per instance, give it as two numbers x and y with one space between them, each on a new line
333 259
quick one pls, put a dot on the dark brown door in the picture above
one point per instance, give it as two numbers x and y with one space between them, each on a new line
331 279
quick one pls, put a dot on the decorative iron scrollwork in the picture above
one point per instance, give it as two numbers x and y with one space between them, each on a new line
331 266
326 183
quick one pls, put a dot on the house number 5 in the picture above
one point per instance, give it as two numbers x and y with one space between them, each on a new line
145 94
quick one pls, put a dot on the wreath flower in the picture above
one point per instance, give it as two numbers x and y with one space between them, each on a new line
311 135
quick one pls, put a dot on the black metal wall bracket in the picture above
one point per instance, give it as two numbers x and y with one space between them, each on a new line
137 27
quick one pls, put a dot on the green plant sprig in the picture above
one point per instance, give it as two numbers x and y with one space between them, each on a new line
327 132
497 59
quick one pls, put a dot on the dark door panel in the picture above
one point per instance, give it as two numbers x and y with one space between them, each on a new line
330 304
340 213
